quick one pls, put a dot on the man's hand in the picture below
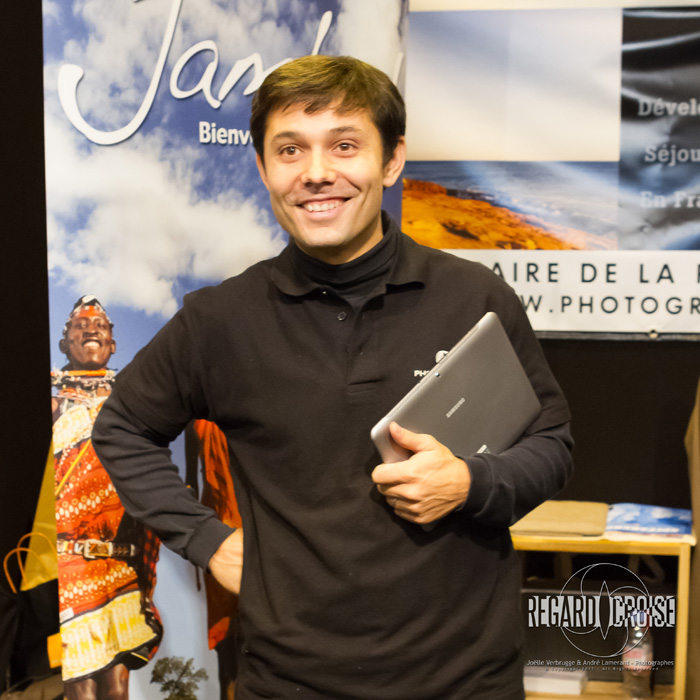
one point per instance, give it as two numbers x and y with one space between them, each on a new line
226 565
426 486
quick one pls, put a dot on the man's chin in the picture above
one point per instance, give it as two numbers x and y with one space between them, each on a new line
87 365
321 247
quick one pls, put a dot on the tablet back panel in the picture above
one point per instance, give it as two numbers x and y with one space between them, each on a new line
476 399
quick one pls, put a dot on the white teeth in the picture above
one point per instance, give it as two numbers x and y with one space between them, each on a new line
320 206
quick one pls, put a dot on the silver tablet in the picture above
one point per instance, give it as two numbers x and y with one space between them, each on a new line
476 399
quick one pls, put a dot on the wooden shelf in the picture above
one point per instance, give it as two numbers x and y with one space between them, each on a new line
679 548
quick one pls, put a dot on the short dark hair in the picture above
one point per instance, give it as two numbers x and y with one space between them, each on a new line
317 82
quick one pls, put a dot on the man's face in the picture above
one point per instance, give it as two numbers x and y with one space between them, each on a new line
325 176
88 343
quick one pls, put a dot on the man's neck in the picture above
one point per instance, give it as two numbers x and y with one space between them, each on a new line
353 280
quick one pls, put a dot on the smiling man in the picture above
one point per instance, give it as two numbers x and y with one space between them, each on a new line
343 594
87 339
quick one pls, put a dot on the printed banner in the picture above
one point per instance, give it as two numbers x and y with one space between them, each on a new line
153 191
522 158
660 148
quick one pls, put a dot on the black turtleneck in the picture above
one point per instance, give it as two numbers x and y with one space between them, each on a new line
354 281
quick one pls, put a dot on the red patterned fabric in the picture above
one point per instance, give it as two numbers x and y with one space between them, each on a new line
90 518
218 494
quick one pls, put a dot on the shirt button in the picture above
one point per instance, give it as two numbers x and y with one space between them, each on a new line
342 315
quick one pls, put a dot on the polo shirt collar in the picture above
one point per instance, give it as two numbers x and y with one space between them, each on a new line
410 267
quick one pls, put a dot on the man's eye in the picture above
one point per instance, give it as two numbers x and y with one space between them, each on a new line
289 151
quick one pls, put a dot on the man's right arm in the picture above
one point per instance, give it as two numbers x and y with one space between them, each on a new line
149 485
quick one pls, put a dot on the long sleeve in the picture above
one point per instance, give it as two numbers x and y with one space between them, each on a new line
148 483
507 486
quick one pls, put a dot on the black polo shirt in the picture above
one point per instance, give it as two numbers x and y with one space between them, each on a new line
340 597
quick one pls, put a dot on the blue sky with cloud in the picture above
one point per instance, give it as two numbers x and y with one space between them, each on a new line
142 222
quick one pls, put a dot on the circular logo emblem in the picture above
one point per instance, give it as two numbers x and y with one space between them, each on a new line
604 600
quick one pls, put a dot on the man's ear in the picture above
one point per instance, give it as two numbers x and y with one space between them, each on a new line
113 345
62 346
393 168
261 169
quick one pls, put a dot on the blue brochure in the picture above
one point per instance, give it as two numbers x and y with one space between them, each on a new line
653 520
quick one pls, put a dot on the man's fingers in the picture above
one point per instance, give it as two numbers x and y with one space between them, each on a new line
226 564
387 475
427 485
395 473
403 506
415 442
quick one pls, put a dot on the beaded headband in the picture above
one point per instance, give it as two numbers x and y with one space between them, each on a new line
87 305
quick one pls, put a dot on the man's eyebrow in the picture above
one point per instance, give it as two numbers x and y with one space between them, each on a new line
285 135
295 135
345 129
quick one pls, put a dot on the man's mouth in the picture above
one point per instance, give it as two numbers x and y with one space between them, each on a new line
325 205
92 341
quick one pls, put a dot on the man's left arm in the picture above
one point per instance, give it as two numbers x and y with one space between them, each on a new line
494 490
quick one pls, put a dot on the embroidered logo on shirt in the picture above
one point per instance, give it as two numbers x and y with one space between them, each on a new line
439 355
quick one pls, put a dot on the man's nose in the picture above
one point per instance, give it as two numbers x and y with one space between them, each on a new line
318 168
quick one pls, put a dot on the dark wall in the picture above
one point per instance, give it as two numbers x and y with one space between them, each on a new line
25 421
631 400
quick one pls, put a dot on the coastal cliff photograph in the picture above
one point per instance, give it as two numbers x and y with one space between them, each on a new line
511 206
